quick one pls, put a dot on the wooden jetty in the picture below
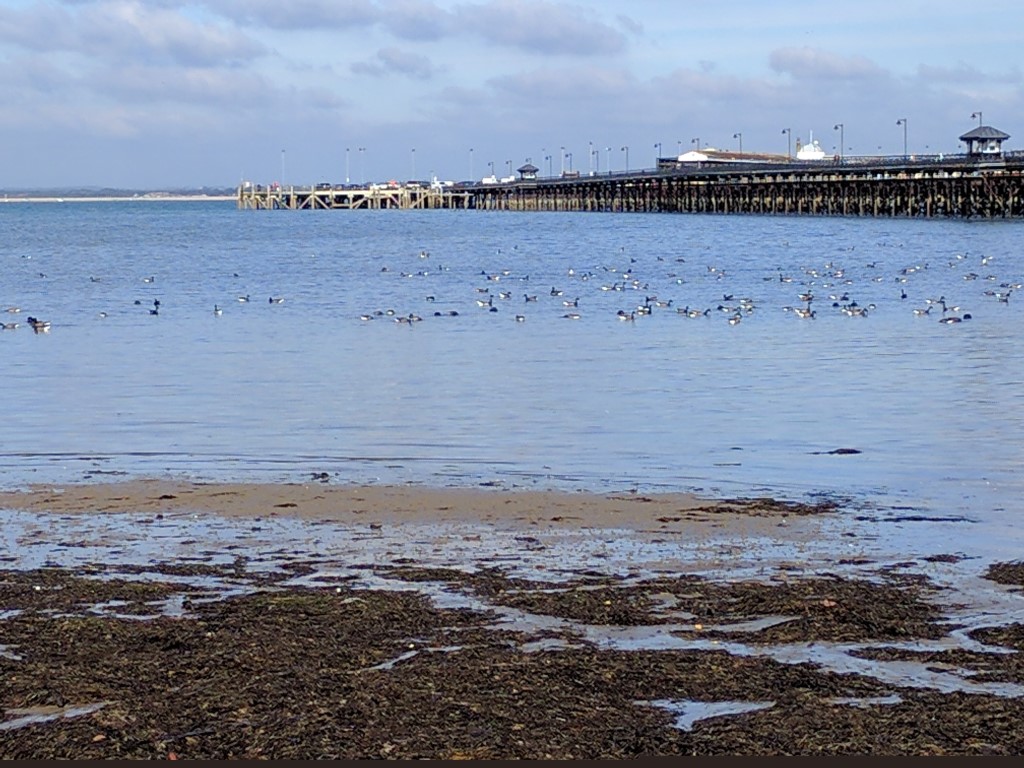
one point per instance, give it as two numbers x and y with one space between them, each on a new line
348 197
960 186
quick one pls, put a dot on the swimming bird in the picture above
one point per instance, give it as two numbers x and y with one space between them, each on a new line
244 299
520 318
276 300
217 310
39 326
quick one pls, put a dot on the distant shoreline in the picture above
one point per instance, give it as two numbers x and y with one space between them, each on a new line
148 197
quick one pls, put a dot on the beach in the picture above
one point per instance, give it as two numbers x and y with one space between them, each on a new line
169 618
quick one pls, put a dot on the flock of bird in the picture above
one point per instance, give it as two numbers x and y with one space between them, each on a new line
811 291
626 291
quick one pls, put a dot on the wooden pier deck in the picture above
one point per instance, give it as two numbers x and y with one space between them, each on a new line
952 187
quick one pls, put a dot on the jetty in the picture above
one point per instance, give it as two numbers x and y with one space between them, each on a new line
974 185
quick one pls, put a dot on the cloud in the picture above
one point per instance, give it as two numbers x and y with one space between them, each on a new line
417 20
963 74
631 25
541 27
125 30
807 63
395 61
299 14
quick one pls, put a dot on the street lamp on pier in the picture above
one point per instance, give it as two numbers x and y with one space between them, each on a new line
509 164
839 127
789 142
548 158
561 162
282 169
626 150
569 155
679 147
590 157
608 159
490 164
903 121
740 137
346 165
362 167
413 163
657 157
471 163
977 115
697 142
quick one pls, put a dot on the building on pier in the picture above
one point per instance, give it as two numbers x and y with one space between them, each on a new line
984 140
527 172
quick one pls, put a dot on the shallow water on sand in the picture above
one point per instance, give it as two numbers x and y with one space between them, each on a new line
269 391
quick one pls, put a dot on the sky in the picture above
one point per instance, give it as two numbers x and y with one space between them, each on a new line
208 93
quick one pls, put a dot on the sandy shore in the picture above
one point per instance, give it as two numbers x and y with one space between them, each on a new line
674 512
145 197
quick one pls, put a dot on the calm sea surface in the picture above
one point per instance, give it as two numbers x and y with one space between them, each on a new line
269 391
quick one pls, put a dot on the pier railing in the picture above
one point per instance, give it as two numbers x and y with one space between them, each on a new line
958 186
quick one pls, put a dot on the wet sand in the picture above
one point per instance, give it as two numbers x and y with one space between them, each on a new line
163 618
318 500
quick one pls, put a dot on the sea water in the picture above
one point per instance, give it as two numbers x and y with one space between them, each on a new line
138 376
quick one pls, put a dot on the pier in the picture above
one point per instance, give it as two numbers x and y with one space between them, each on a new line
958 186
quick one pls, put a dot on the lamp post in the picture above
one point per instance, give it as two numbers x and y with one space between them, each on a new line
362 167
626 150
561 162
789 142
839 127
903 121
548 158
471 163
739 136
490 164
697 142
657 157
608 160
282 169
679 147
590 157
569 155
346 165
413 163
595 155
509 164
977 115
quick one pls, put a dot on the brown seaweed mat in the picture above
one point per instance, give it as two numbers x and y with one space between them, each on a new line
90 668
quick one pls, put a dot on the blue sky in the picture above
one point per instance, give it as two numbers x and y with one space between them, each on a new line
169 93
